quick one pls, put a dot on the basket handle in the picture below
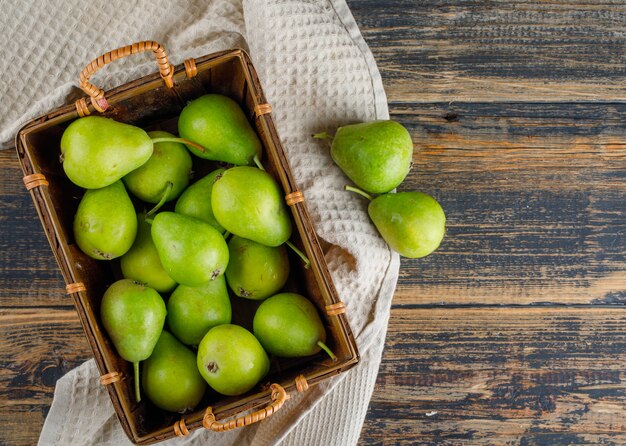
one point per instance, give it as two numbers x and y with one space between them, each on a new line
278 396
97 94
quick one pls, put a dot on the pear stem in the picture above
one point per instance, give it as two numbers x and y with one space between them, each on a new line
226 234
180 140
257 161
137 391
359 191
305 259
168 189
324 347
323 135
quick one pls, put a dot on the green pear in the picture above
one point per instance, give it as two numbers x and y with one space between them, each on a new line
256 271
192 252
193 311
97 151
196 200
249 203
133 315
219 124
170 163
142 264
288 325
412 223
375 155
170 376
105 224
231 359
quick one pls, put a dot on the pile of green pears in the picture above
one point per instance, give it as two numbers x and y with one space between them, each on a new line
376 156
171 311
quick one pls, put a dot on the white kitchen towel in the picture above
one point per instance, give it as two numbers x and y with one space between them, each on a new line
318 73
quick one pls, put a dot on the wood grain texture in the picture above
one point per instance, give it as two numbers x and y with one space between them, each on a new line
37 347
501 376
30 276
447 50
534 195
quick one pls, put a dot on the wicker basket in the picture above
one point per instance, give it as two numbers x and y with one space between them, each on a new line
154 102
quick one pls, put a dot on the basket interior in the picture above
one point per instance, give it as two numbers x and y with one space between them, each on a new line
149 104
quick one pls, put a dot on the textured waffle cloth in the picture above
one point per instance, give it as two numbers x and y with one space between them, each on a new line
317 73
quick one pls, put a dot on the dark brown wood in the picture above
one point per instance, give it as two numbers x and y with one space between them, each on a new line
38 345
534 195
541 375
499 50
516 110
30 276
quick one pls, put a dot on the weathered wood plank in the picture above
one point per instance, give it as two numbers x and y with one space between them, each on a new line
444 50
501 376
37 347
30 275
22 423
534 195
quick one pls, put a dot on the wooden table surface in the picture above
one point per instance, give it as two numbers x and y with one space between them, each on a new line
514 332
